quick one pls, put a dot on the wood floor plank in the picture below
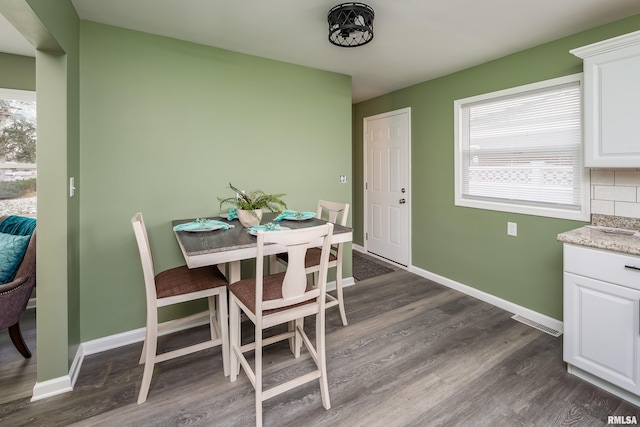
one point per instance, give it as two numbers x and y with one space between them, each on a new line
17 374
414 354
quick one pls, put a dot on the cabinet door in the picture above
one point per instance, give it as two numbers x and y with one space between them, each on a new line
601 330
611 93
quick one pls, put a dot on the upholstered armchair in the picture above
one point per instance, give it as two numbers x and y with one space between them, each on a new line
15 295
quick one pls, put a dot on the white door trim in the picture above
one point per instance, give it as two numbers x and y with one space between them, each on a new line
406 111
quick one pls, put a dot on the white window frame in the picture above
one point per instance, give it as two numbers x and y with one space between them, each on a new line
509 206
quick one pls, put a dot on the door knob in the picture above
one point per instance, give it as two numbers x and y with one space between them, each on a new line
402 201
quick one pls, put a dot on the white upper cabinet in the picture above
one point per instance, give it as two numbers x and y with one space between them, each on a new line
612 101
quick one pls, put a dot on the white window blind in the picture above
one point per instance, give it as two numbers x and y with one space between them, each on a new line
522 147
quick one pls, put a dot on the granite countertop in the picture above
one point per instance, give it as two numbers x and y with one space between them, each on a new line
585 236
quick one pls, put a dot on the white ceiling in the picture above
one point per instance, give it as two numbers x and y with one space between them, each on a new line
11 41
414 41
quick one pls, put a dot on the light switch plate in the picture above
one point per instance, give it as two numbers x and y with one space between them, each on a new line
512 229
72 187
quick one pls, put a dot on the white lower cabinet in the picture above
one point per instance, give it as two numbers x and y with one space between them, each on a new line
602 315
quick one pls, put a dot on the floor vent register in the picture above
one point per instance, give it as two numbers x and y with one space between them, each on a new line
536 325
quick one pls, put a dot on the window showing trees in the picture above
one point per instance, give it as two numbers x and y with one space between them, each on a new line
17 152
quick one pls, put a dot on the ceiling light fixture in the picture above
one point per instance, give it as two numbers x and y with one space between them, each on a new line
350 24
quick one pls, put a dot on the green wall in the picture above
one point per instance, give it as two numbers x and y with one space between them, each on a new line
468 245
57 82
17 72
165 125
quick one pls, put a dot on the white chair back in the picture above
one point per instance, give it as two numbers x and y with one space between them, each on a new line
146 257
294 286
338 213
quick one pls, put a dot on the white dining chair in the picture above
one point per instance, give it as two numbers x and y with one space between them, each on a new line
279 298
336 213
174 286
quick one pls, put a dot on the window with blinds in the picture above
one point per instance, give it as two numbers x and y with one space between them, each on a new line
519 150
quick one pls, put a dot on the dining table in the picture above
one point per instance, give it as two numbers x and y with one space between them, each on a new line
227 248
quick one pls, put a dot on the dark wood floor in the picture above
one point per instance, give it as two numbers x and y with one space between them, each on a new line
17 374
414 354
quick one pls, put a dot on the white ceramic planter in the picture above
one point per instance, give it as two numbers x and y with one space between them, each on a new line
250 218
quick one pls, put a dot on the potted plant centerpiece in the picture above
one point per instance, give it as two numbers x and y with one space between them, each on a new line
250 205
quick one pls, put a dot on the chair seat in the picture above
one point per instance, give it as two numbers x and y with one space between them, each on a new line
245 291
312 258
183 280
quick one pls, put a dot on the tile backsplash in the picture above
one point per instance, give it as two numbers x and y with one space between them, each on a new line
615 192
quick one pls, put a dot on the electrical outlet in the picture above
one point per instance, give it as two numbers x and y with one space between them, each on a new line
343 179
512 229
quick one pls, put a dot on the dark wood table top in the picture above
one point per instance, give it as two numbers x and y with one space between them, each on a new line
221 246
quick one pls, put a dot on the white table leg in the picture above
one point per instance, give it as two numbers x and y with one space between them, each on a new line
233 271
273 264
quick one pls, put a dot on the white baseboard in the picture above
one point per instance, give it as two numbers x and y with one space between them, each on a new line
346 281
52 387
64 384
31 304
74 371
119 340
130 337
491 299
483 296
55 386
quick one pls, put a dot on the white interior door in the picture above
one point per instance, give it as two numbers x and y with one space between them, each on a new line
387 193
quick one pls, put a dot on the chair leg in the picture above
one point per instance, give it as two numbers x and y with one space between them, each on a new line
223 321
291 327
150 346
144 351
18 341
339 294
213 324
299 323
258 374
322 360
234 338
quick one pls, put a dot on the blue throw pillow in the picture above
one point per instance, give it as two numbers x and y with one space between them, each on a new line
12 249
18 225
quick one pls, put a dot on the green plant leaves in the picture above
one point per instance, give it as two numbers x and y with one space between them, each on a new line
256 199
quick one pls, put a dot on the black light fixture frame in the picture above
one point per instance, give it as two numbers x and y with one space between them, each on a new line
350 24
